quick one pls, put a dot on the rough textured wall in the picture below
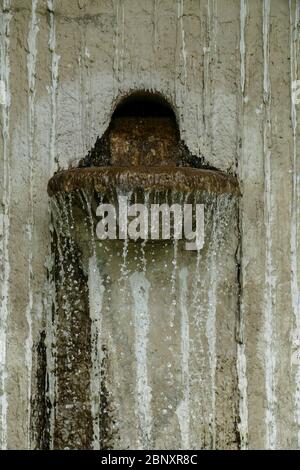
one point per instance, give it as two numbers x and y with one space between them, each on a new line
227 66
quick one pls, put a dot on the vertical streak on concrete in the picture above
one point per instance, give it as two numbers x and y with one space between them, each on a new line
116 64
209 53
183 48
211 330
270 281
155 32
31 77
212 17
295 294
119 43
180 72
211 337
140 292
183 410
84 91
241 354
5 222
54 83
123 42
96 291
243 16
53 161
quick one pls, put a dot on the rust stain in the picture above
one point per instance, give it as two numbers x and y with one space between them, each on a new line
143 141
183 179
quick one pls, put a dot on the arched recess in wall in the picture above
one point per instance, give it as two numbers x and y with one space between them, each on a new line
142 118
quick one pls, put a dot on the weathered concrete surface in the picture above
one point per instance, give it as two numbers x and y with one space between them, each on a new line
227 66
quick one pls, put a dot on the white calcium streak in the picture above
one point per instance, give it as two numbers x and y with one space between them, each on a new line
270 280
210 327
155 32
116 64
243 402
123 40
208 58
211 339
96 292
266 47
183 47
173 282
183 410
5 18
295 294
140 293
2 93
54 82
241 353
31 77
243 14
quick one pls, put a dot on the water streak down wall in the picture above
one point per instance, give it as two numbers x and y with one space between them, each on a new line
228 67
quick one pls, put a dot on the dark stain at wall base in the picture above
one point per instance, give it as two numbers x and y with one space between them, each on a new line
40 404
73 421
109 431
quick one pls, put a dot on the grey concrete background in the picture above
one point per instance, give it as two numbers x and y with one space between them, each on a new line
227 66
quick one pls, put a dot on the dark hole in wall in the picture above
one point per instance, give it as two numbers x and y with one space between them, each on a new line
142 106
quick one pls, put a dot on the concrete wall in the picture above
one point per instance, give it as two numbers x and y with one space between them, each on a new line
227 66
